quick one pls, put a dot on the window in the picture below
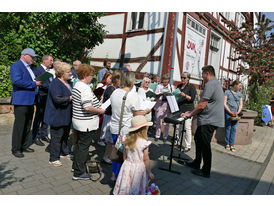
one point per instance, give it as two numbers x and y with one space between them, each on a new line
196 26
137 20
226 15
214 42
239 19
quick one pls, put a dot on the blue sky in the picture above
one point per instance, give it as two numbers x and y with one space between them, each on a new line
269 15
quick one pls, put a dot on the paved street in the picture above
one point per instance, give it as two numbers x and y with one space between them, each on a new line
249 170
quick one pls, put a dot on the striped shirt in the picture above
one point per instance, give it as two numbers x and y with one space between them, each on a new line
82 97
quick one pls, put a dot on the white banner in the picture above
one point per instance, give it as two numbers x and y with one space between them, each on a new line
194 56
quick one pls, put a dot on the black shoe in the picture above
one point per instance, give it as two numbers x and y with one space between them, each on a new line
156 139
38 142
164 140
28 150
192 165
46 139
200 173
18 154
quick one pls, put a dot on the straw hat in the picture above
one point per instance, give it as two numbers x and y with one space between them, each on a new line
139 121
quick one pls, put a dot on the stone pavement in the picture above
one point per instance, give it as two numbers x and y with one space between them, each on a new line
249 170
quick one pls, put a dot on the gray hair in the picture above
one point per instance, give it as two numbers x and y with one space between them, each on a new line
76 62
146 79
127 79
46 57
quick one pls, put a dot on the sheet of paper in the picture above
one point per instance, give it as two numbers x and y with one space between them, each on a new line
105 104
147 104
172 104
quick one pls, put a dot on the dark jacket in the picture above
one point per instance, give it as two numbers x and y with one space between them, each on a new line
58 111
23 87
43 89
183 103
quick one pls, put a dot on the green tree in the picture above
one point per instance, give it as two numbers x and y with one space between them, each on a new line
254 54
65 35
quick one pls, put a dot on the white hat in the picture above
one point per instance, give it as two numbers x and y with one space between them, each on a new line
139 121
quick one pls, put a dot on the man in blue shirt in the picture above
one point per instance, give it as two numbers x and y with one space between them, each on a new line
101 73
24 88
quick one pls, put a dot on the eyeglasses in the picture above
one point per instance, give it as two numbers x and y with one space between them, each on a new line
183 77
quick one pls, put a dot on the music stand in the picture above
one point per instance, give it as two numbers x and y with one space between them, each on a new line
174 123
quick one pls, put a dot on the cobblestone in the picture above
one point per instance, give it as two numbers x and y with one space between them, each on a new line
232 172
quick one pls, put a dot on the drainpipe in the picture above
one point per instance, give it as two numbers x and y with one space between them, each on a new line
174 48
164 43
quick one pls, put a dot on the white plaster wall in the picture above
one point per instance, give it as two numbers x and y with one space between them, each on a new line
231 76
176 71
109 49
224 74
114 23
180 20
150 67
232 16
140 46
227 52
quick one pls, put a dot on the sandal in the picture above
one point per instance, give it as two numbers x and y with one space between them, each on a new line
227 147
232 149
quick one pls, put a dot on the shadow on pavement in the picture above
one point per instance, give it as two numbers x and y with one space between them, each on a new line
7 177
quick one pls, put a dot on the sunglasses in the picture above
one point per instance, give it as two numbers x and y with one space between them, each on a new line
183 77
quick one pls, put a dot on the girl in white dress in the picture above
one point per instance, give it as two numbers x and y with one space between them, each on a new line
134 173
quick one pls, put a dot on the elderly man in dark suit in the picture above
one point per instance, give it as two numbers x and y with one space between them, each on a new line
40 128
24 88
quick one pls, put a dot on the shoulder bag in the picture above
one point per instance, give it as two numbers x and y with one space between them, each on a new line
117 149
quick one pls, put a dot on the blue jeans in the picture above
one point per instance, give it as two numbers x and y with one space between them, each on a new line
230 130
115 165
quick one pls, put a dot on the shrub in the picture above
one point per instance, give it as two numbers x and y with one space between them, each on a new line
5 82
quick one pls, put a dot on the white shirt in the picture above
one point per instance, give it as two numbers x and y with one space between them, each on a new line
142 93
49 71
132 104
29 70
82 97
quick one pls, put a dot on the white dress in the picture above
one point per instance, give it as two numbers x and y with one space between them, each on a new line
132 178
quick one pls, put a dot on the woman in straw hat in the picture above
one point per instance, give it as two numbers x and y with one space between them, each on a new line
134 173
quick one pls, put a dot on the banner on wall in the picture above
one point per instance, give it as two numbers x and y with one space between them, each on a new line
194 56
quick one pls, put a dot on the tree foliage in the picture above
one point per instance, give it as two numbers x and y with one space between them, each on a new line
65 35
5 82
254 54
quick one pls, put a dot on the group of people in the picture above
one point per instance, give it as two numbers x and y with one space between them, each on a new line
68 101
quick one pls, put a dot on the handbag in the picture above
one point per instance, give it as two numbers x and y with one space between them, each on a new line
238 117
116 153
93 167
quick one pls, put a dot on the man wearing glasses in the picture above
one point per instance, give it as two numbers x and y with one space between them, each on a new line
24 89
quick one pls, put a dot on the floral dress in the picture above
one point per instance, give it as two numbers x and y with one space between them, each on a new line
132 179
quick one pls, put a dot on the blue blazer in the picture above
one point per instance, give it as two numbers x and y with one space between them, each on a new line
43 89
58 110
23 87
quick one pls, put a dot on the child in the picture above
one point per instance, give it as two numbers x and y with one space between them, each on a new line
133 176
